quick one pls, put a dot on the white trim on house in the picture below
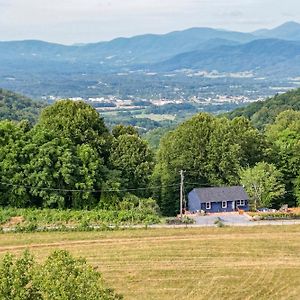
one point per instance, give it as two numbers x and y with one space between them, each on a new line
240 202
208 205
224 204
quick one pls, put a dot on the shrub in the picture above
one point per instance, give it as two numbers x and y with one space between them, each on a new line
138 211
274 215
178 221
15 278
60 277
219 223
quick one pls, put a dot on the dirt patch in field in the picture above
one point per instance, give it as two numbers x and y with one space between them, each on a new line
14 221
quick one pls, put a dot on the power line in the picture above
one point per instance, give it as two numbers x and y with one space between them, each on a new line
85 191
200 184
109 190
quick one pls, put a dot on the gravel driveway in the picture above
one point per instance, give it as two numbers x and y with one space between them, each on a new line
227 219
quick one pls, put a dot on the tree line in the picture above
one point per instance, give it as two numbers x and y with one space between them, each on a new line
262 113
69 159
216 151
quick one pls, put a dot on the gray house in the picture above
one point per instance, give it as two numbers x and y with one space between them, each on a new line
218 199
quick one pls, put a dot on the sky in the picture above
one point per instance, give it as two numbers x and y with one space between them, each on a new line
83 21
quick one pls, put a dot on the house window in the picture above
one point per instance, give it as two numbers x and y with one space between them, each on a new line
224 204
208 205
240 203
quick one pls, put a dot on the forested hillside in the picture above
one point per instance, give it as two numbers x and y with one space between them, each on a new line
269 57
263 113
16 107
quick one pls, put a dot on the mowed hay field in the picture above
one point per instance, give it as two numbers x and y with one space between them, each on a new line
187 263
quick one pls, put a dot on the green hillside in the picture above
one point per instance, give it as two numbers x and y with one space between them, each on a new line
262 113
17 107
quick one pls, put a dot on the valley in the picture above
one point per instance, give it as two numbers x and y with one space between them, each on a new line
149 150
201 64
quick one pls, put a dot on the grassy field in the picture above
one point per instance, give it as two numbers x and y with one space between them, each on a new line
157 117
194 263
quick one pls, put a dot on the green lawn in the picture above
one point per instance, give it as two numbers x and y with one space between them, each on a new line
157 117
191 263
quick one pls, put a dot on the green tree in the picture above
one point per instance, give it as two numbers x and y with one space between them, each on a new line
262 113
13 140
122 129
66 151
154 136
297 189
16 277
211 150
16 107
263 184
51 167
56 168
131 156
284 139
60 277
64 277
77 121
92 174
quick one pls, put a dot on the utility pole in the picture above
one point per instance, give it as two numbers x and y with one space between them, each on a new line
181 192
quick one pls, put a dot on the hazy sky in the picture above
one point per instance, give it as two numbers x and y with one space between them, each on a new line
74 21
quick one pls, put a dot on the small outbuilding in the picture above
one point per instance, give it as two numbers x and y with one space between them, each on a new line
218 199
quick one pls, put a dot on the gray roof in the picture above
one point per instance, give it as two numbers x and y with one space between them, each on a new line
218 194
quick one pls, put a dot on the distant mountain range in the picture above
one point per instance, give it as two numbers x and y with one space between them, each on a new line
289 31
265 56
274 52
143 49
125 51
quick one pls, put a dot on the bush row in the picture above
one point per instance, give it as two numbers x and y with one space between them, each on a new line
275 215
32 219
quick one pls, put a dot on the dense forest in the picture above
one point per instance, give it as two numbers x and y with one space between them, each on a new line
259 113
217 151
70 159
17 107
265 112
